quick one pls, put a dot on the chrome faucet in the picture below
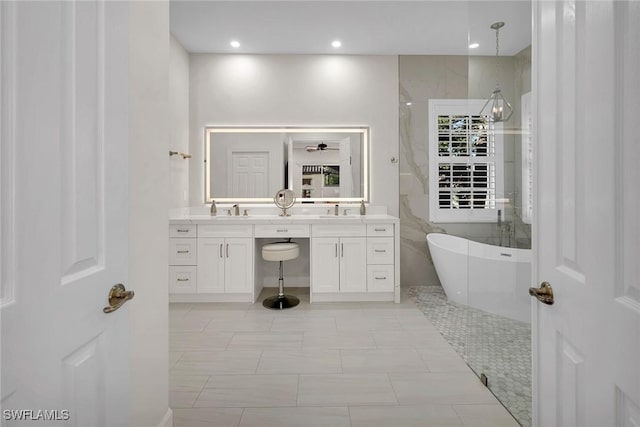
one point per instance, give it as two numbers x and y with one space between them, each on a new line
236 210
499 218
336 210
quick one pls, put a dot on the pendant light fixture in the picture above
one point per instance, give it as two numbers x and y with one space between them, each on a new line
497 108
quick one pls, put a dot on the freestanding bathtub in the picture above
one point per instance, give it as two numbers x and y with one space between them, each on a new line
491 278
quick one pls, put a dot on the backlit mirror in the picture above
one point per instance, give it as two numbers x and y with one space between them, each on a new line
318 164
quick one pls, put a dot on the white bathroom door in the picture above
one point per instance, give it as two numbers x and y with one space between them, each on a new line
250 174
64 212
587 245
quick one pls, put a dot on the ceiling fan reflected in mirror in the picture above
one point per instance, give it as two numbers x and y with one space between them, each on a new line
320 147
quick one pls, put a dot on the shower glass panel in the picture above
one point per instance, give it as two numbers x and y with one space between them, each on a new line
498 313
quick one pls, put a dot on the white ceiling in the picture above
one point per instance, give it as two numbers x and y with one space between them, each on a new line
364 27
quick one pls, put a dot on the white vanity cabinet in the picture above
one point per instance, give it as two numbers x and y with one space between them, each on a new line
380 258
182 259
339 264
350 259
225 265
225 259
338 259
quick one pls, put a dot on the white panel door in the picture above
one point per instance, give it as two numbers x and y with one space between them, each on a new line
250 174
211 260
353 264
64 212
238 271
587 245
325 264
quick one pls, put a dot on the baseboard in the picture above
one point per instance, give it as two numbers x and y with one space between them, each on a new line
167 420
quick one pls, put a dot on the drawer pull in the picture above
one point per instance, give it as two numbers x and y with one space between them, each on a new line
342 248
183 252
282 230
380 250
220 250
336 250
182 230
380 229
227 250
183 280
381 278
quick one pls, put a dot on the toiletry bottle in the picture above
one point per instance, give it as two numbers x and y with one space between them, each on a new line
363 209
214 209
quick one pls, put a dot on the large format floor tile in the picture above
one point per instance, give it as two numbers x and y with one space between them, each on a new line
382 360
300 362
295 417
247 391
345 389
206 417
323 364
404 416
443 388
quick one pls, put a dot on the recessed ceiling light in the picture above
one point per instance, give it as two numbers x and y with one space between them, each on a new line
235 43
336 43
473 45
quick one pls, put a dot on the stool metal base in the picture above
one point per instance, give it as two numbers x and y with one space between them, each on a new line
280 302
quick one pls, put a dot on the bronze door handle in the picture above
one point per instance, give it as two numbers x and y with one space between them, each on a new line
118 295
544 293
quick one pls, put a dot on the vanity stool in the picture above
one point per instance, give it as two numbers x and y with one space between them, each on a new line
280 252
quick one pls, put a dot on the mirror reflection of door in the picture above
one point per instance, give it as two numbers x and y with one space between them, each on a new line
249 174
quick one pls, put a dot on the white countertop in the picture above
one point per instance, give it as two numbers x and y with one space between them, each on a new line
267 215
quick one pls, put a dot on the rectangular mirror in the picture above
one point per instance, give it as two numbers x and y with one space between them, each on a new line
318 164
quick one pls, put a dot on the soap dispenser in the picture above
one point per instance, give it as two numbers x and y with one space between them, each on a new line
363 209
214 209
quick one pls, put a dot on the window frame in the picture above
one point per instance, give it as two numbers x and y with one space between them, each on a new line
463 107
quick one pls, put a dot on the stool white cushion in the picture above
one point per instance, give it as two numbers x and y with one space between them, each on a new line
280 251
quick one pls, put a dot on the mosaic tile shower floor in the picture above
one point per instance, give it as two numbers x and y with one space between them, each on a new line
494 345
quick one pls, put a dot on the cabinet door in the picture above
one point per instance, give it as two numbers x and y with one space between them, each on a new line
210 265
353 264
325 264
238 272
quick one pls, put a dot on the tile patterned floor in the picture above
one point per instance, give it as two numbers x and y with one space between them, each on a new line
334 365
494 345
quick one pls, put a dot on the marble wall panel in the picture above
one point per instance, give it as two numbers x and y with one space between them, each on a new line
450 77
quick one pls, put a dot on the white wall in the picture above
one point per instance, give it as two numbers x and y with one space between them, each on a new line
178 124
148 205
299 90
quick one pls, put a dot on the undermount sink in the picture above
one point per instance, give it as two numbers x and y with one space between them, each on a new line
340 216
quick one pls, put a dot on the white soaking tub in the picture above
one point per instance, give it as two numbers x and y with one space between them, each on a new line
490 278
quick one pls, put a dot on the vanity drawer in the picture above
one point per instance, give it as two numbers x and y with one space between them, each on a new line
380 278
288 230
182 280
339 230
182 230
225 230
182 251
380 250
379 230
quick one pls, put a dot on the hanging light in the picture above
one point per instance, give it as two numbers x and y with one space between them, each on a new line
497 108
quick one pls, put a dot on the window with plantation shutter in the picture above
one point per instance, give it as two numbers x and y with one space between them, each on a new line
465 162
